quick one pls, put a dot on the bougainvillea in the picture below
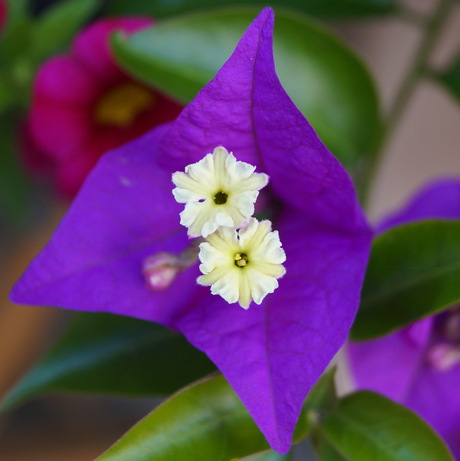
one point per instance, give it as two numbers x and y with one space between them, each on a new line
126 215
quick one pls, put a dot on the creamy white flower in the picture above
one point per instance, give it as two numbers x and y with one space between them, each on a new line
242 266
217 191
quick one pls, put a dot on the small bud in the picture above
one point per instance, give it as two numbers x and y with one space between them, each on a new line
160 270
443 357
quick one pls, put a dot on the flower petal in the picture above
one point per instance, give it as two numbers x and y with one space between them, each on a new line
273 354
435 396
92 46
64 80
59 130
390 365
124 213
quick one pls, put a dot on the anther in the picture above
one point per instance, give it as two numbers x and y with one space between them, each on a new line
241 260
220 198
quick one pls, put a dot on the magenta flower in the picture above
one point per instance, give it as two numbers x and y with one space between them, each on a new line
125 219
83 104
419 365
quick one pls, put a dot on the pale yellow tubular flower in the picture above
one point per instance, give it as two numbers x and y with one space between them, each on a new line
217 191
242 266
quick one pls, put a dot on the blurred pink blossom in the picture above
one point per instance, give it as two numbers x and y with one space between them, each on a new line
83 105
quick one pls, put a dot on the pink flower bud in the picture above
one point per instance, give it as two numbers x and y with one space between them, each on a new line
160 270
443 357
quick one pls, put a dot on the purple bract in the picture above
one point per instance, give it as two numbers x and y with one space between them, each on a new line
271 354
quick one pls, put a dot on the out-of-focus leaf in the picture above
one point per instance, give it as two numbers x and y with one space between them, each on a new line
326 452
13 184
266 455
324 78
321 8
56 27
6 94
367 426
16 9
451 78
15 41
114 354
413 272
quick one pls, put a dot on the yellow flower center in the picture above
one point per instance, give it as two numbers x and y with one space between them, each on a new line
241 259
121 105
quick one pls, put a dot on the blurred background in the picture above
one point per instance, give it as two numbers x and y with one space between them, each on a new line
74 427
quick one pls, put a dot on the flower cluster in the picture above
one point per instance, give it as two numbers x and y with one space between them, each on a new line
124 229
219 193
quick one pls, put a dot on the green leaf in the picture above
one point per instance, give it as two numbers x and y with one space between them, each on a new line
326 452
206 419
322 8
56 27
367 426
413 272
15 41
451 78
266 455
6 94
324 78
13 184
16 10
209 419
114 354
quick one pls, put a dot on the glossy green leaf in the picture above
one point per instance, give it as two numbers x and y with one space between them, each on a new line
451 78
367 426
209 419
322 8
57 26
114 354
266 455
205 421
324 78
413 271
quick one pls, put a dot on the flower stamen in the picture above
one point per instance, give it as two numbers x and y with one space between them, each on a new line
220 198
241 259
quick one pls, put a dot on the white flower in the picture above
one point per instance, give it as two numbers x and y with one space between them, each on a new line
218 191
242 266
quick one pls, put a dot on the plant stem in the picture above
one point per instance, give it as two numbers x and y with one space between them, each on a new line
417 69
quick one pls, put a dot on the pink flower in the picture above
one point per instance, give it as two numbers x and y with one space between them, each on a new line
83 105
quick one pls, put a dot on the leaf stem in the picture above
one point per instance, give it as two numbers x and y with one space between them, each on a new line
432 30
